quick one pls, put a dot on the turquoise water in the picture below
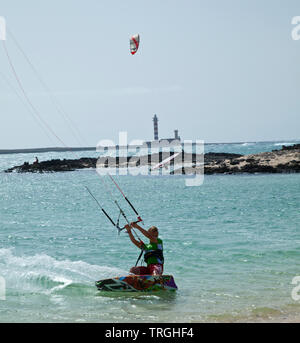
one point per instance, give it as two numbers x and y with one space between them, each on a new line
232 244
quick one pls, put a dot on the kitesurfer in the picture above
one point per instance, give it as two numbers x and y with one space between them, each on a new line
153 251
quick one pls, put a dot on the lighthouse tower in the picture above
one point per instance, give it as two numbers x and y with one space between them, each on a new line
155 123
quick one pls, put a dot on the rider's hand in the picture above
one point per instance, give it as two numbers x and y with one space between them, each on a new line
128 227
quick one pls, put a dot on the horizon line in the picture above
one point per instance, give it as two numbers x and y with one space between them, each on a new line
64 149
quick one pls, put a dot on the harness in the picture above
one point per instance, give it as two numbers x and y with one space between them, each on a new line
154 253
158 253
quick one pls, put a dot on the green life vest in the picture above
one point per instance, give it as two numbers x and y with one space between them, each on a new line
154 252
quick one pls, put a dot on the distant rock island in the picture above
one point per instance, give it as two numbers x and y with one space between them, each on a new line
150 160
285 160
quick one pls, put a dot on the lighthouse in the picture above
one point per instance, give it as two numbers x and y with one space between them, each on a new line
155 123
156 139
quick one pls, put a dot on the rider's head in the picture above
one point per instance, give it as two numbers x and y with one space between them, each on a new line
153 231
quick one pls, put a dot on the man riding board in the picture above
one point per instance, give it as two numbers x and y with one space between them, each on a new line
153 251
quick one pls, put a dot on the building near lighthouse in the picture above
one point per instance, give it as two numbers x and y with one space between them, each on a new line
156 137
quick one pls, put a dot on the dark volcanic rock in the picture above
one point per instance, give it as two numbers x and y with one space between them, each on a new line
54 166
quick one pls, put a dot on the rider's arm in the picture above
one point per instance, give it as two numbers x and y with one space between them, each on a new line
133 240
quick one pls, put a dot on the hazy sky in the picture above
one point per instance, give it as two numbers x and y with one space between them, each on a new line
219 71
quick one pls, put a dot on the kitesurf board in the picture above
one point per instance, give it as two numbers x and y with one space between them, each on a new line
138 283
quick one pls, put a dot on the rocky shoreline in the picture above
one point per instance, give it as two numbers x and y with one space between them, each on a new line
285 160
57 165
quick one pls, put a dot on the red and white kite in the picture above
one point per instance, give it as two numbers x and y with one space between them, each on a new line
134 44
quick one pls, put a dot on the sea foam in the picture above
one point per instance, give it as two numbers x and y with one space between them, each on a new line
43 273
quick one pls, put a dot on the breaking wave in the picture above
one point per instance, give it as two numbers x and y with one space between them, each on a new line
44 274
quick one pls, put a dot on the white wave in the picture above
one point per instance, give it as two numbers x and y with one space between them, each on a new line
247 144
288 143
43 273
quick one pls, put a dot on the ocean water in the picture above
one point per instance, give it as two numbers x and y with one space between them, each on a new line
232 244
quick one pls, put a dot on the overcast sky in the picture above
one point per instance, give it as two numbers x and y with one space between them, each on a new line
219 71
